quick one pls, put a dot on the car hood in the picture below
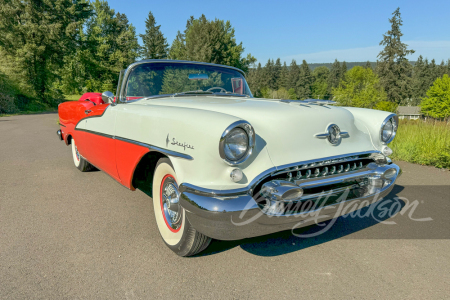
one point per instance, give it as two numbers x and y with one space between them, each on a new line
287 129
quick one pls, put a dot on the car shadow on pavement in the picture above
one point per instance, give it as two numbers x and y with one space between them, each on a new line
286 242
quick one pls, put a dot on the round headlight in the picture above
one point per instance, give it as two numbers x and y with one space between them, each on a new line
237 142
388 129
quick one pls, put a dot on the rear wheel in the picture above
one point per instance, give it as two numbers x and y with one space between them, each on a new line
175 229
80 162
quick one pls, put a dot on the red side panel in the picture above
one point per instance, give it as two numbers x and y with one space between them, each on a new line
99 150
97 110
115 157
128 156
71 112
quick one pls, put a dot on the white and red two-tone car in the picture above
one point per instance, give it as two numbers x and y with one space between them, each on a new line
222 164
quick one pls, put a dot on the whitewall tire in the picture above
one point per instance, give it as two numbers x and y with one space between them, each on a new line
175 229
80 162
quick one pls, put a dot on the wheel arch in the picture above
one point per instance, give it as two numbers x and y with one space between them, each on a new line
144 171
68 139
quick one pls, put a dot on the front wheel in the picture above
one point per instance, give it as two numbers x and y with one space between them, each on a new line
175 229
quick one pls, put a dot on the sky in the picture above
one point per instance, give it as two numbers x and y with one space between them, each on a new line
317 31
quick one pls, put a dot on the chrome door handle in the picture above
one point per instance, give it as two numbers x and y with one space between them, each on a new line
87 111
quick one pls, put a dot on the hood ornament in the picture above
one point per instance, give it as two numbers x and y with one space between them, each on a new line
334 135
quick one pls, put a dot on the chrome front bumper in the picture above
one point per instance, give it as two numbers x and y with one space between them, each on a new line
238 216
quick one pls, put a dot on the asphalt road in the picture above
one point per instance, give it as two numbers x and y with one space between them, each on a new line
65 234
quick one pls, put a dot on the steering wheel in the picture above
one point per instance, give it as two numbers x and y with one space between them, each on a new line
217 88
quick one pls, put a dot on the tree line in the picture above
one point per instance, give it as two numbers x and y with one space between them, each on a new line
390 82
51 48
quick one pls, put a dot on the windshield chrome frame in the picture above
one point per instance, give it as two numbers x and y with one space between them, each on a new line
121 98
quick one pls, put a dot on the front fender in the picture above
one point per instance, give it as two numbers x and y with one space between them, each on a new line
370 121
194 133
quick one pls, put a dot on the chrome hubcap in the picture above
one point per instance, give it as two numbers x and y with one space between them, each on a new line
76 152
171 206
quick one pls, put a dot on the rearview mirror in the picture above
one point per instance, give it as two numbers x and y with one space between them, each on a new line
108 97
201 76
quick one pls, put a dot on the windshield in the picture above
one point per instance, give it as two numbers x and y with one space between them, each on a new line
178 79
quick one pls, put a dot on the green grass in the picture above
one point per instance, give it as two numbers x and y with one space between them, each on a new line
425 143
72 97
36 107
30 112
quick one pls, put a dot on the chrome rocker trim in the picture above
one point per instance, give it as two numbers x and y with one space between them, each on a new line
240 216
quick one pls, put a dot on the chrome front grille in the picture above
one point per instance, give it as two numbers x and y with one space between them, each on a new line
324 168
328 178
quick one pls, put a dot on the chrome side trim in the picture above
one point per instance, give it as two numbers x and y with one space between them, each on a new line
395 128
95 132
155 148
151 147
190 188
251 142
187 187
310 101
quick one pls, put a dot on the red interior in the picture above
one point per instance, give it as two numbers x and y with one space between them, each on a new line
94 97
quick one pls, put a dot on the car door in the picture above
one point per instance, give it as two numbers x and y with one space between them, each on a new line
95 138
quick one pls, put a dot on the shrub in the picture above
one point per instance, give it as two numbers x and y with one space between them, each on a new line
7 105
437 102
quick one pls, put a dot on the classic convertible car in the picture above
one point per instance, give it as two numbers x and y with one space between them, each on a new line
221 164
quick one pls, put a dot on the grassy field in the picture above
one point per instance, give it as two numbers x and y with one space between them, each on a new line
37 107
425 143
72 97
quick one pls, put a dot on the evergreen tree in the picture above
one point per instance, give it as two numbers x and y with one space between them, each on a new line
393 66
419 80
320 86
343 70
210 41
305 82
38 34
368 65
434 71
442 69
277 74
293 77
282 81
112 44
269 79
155 44
335 76
178 47
258 80
267 74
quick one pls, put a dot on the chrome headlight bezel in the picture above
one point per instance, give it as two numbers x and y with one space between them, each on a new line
250 143
391 118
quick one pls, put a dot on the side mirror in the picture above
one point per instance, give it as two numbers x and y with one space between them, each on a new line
108 97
